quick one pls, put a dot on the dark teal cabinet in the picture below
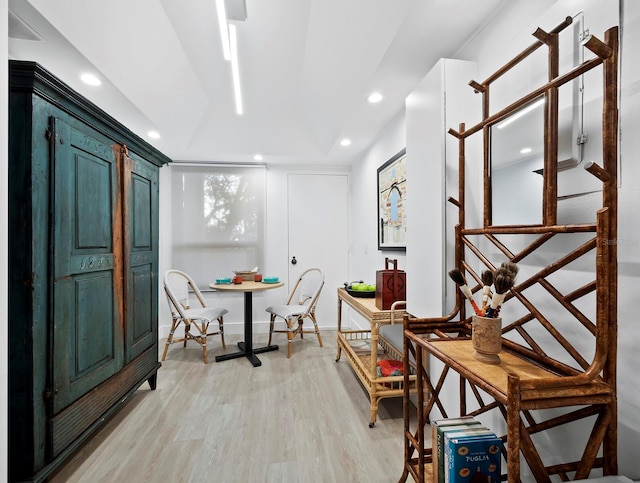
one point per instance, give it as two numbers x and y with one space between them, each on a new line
83 277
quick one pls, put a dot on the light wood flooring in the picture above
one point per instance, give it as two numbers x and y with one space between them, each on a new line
303 419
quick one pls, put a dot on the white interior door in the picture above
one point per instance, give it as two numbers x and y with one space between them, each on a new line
318 234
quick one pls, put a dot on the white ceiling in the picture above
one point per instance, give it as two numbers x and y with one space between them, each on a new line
306 68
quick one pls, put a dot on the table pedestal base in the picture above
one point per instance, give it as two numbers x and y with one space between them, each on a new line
251 355
246 347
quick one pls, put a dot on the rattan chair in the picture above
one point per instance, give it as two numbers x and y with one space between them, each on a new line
300 305
177 286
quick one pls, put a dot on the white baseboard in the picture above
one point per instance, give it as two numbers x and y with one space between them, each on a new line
231 328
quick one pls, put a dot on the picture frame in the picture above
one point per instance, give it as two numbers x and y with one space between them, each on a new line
392 196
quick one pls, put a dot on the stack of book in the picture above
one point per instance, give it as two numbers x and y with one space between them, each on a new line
465 451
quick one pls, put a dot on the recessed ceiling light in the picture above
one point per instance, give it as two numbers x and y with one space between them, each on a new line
374 97
525 150
153 134
90 79
345 142
258 157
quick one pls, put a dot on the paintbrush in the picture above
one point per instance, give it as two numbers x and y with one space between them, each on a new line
458 277
487 280
511 269
502 283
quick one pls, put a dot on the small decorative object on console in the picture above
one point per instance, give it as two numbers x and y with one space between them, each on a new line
390 285
360 289
486 336
390 367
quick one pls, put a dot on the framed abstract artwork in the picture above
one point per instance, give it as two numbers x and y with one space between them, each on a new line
392 198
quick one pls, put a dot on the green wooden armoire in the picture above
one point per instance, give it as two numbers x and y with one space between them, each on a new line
83 269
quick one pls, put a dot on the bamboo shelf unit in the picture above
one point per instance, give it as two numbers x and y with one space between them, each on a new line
560 351
363 348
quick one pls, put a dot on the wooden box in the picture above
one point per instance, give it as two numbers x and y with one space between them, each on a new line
390 285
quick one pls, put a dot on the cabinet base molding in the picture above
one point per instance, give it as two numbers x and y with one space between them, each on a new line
110 397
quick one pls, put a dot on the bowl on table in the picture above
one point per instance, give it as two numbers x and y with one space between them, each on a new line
270 280
360 289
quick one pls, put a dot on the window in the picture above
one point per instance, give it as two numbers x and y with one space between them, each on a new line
217 216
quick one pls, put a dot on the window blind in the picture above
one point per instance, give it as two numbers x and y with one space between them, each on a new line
218 218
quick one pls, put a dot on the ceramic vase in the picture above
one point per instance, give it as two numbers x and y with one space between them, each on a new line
486 337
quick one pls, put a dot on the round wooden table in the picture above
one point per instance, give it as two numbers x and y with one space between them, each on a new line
246 346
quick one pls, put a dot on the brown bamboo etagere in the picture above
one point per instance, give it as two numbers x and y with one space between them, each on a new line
558 364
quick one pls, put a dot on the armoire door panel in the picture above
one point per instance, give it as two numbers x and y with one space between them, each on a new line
141 226
92 343
140 235
87 332
140 330
93 203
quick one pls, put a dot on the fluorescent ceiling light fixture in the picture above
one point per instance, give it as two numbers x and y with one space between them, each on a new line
374 97
224 29
235 71
153 134
345 142
258 157
521 113
90 79
525 150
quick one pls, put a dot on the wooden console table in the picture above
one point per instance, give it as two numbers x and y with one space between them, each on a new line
361 348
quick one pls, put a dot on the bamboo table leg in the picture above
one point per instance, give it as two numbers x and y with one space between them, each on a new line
339 350
372 370
513 429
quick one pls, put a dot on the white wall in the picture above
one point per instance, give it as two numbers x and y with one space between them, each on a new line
440 101
505 35
364 257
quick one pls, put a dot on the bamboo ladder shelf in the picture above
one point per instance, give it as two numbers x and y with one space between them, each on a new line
560 359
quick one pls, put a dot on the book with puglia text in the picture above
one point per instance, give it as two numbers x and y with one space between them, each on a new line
439 428
472 458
